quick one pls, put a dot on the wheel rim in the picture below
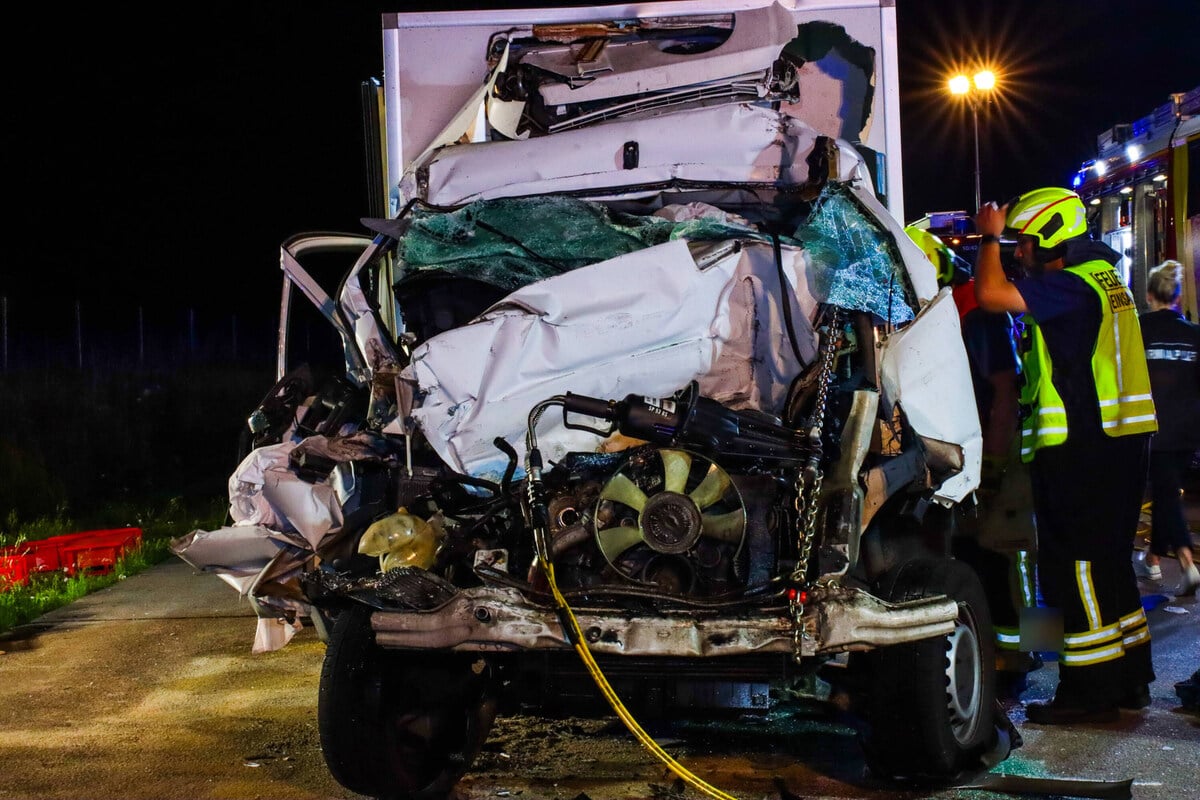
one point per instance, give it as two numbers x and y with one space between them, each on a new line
964 679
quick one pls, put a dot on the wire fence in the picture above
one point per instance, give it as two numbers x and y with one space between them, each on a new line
93 335
104 401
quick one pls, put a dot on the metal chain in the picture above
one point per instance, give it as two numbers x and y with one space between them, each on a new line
808 480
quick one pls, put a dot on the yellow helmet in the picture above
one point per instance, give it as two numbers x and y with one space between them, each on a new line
936 251
1050 215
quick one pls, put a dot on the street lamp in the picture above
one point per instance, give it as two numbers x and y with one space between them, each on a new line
975 90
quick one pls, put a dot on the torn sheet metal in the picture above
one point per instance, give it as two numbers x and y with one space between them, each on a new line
237 554
272 633
291 253
931 382
639 66
264 491
281 521
261 564
234 547
645 323
741 144
465 119
273 507
373 343
922 275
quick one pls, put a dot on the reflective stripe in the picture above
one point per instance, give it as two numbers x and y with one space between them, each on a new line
1127 398
1120 362
1130 420
1132 618
1096 656
1008 641
1180 353
1007 634
1026 580
1083 578
1043 211
1051 410
1092 637
1141 637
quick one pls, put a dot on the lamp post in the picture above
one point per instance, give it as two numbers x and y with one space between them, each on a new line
974 90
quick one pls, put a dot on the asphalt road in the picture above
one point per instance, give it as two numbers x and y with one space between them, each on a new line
148 689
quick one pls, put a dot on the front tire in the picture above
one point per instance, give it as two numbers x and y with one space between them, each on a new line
402 726
931 704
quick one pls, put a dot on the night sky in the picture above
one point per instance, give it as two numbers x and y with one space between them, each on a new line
158 159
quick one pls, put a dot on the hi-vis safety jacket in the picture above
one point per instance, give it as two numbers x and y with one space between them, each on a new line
1118 366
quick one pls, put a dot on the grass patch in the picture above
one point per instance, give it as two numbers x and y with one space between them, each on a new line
48 591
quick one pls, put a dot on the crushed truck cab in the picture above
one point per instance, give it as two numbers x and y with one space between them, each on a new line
638 343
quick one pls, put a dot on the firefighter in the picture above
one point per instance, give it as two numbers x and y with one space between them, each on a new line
999 535
1085 428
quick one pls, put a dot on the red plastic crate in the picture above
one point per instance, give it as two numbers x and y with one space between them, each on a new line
97 552
86 551
91 558
14 569
43 555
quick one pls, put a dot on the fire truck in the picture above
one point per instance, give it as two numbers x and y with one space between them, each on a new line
1143 197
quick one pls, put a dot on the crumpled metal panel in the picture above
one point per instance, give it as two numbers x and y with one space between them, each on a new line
756 40
855 620
280 523
264 491
259 563
645 323
373 343
924 369
740 144
648 323
496 619
240 551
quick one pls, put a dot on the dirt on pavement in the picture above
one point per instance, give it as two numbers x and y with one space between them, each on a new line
149 690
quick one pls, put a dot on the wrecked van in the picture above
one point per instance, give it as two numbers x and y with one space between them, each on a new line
637 399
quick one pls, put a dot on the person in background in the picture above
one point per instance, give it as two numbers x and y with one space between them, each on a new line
1172 344
1086 424
999 537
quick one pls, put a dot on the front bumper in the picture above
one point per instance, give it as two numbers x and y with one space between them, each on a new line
490 619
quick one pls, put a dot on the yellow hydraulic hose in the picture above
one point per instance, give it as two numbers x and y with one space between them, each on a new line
575 634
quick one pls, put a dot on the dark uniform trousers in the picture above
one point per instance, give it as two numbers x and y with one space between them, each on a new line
1087 495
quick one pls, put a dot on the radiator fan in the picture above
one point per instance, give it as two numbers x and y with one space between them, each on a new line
678 508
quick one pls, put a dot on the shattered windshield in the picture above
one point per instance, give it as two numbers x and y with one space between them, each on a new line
509 243
512 242
860 269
